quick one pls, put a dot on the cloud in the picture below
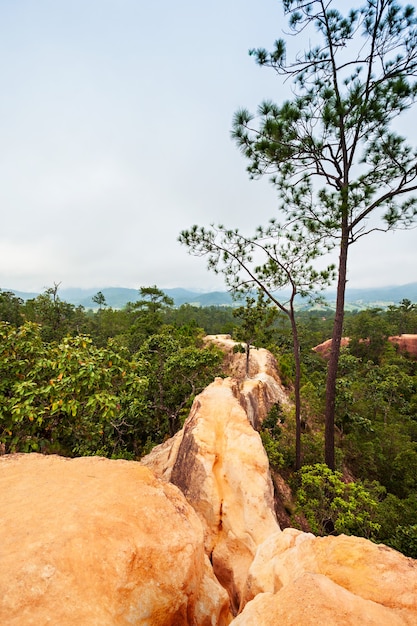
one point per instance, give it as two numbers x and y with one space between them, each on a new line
115 130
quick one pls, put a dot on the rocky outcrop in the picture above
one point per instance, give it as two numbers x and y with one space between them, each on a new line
262 387
220 465
405 343
104 543
297 578
312 600
288 577
222 469
96 542
324 348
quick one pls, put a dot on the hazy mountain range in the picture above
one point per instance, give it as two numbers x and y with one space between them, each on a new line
117 297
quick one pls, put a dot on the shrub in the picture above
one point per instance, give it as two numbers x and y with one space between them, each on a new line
332 506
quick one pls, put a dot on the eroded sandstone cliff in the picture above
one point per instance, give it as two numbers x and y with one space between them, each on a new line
220 465
190 539
405 343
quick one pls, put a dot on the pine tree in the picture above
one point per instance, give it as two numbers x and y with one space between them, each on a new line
332 151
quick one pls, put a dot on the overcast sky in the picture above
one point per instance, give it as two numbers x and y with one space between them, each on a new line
115 120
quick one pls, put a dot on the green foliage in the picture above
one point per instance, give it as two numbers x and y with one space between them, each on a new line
256 320
176 368
271 259
56 317
62 391
74 397
99 299
333 506
146 315
394 512
69 397
286 368
312 402
274 420
271 437
108 323
403 318
405 540
273 451
340 117
368 332
10 308
213 319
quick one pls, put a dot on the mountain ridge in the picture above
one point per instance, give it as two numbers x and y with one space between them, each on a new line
118 297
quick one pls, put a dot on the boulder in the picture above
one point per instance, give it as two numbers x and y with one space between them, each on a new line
296 576
263 380
223 471
100 542
314 599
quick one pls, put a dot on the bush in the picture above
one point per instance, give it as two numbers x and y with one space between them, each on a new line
69 397
332 506
405 540
272 449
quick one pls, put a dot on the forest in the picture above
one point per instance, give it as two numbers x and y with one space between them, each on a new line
116 383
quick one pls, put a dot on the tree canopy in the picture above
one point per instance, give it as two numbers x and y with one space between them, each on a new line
333 151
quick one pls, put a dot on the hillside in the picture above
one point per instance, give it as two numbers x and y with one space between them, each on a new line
117 297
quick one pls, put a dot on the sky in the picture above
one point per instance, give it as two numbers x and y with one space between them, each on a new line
115 119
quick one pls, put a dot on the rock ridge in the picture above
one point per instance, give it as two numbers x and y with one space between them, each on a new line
188 536
219 463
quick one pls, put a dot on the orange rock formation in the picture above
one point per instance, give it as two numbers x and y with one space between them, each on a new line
97 542
219 463
297 578
405 343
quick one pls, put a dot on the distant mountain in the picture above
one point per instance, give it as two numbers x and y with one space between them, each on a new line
214 298
24 295
375 296
118 297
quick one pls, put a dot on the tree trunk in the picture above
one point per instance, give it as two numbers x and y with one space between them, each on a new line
297 385
247 359
329 455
